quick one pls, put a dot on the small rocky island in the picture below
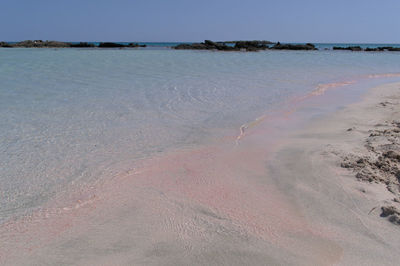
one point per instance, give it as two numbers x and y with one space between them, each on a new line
56 44
377 49
250 46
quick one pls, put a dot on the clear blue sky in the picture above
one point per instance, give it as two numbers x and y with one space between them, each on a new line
196 20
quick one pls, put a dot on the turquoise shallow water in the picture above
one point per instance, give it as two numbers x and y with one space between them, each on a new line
71 116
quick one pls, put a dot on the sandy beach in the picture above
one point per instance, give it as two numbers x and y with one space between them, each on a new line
304 198
329 170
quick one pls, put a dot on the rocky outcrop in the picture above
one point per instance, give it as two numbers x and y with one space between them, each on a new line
259 42
55 44
371 49
5 45
383 48
41 44
349 48
135 45
308 46
368 49
82 45
244 46
206 45
118 45
393 49
110 45
251 45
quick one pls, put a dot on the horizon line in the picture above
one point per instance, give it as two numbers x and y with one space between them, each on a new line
205 39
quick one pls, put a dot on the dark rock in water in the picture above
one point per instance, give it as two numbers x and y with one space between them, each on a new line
339 48
110 45
259 42
210 43
183 46
206 45
5 45
371 49
368 49
308 46
383 48
134 45
388 48
194 46
41 44
355 48
349 48
82 45
251 45
118 45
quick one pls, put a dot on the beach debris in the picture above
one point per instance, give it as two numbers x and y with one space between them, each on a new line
381 163
392 213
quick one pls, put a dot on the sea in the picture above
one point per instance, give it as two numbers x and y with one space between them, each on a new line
75 117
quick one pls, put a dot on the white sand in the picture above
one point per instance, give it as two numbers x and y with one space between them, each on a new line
308 169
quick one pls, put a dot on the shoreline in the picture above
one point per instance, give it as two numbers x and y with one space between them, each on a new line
216 200
320 169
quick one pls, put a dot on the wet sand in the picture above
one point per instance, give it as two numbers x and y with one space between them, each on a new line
270 196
